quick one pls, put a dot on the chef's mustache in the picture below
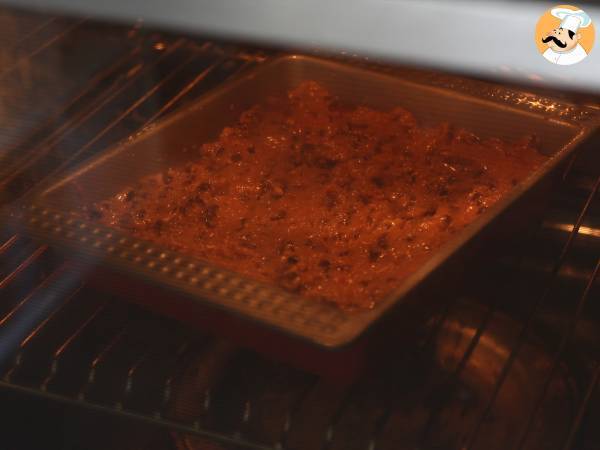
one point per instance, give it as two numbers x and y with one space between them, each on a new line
556 41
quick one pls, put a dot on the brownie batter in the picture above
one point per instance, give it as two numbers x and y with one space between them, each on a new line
333 202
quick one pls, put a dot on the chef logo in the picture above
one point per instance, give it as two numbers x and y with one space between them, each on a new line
565 35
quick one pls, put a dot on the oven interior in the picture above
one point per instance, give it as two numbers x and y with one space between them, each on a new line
509 361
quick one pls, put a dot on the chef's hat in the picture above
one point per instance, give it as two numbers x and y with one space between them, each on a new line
572 20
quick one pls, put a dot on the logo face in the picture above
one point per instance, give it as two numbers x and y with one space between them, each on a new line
565 35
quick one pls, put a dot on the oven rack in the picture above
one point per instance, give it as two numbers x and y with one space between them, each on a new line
134 78
62 340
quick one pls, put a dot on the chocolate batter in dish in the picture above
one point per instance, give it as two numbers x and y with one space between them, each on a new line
333 202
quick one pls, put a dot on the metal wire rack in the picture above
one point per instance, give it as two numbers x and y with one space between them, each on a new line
514 366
